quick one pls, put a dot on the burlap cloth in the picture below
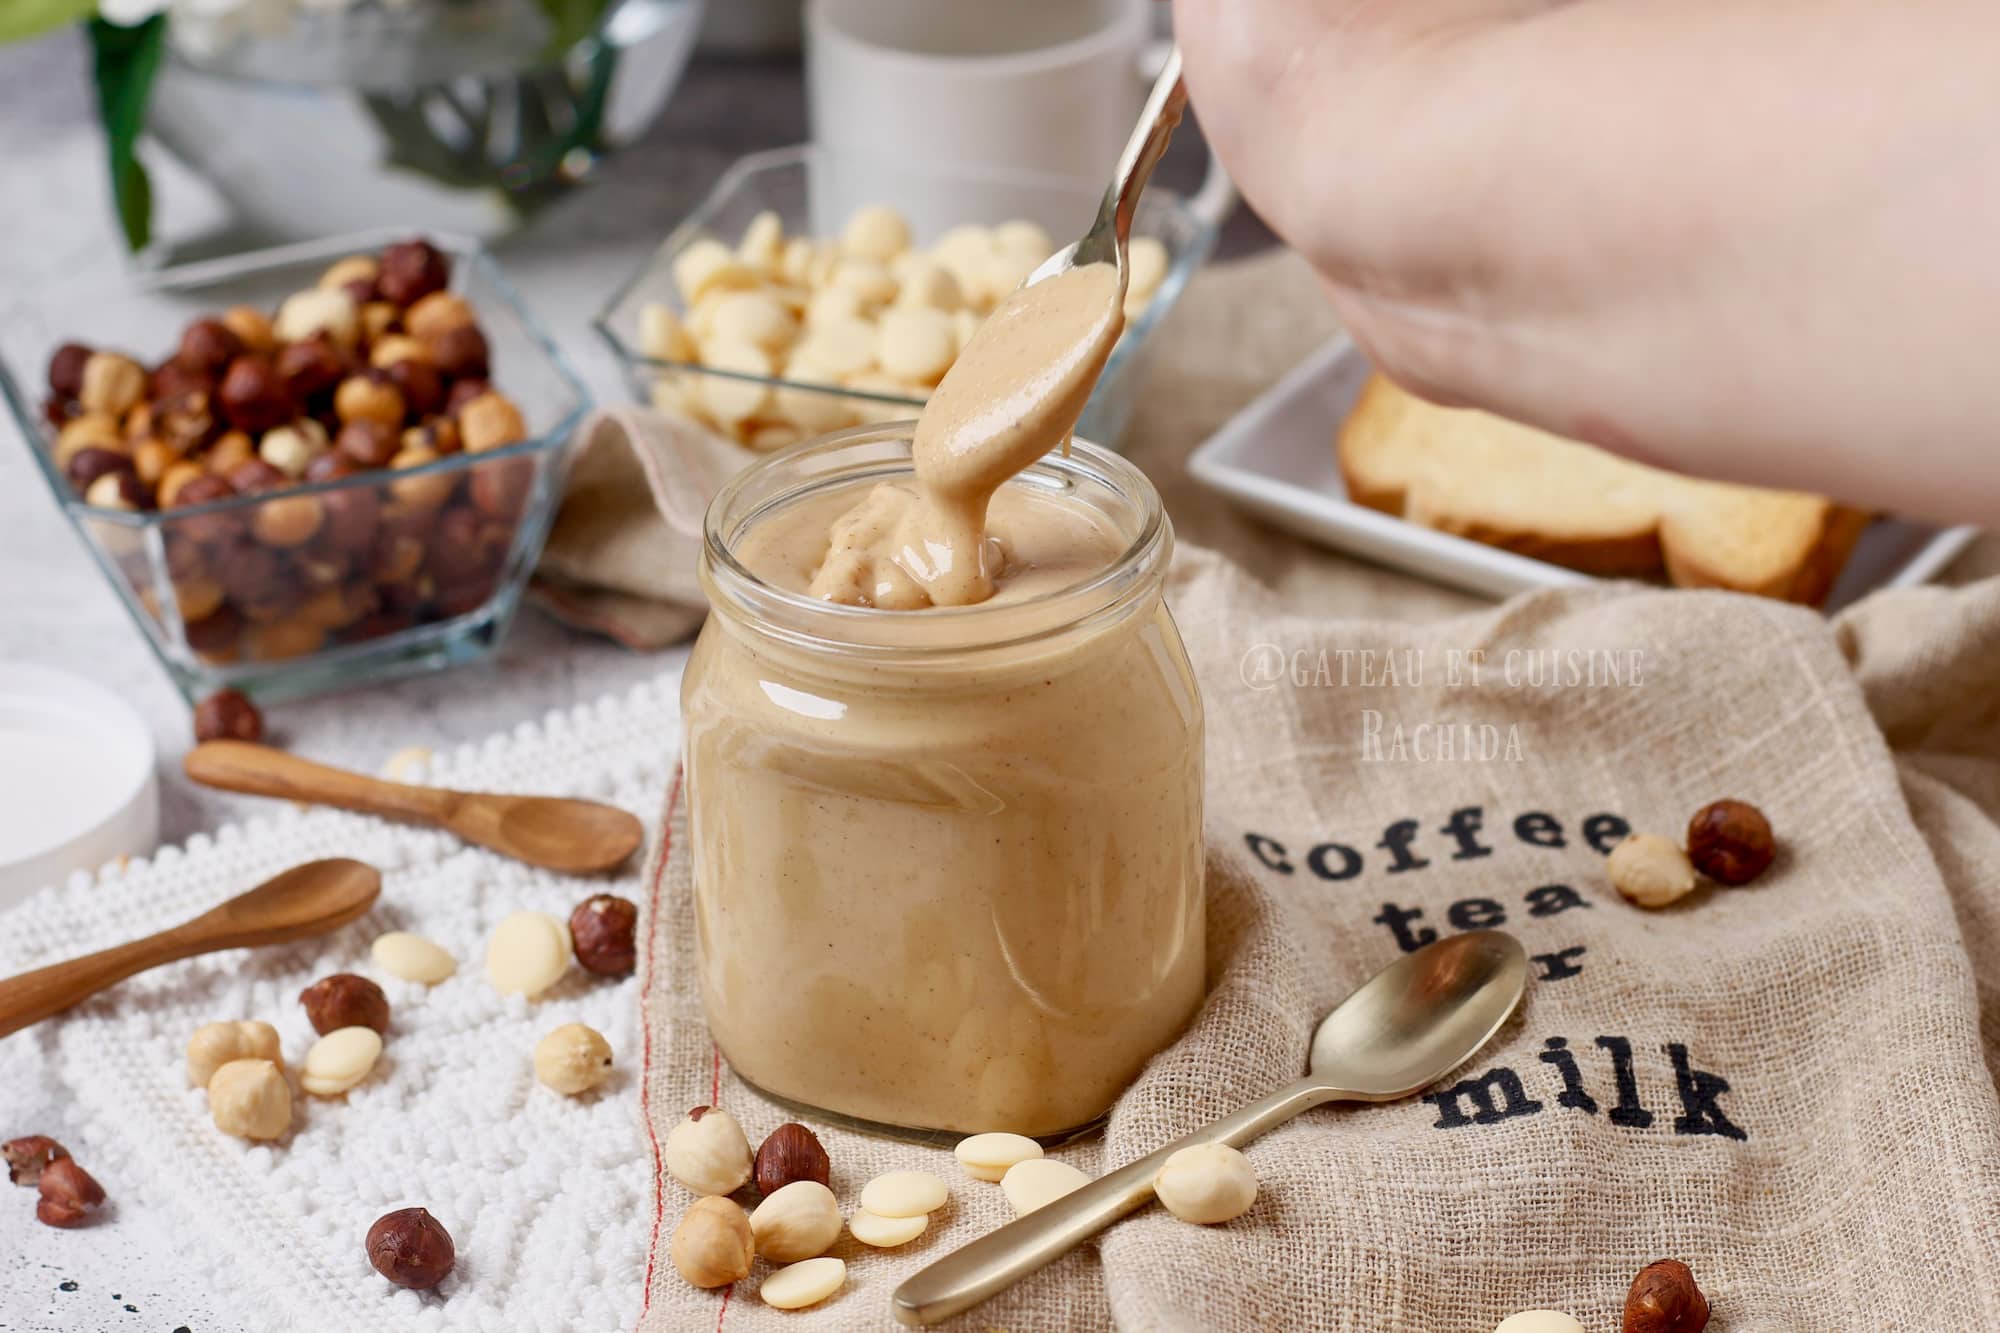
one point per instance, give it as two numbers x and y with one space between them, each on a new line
1784 1085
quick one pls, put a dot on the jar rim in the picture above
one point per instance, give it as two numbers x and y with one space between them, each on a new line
811 622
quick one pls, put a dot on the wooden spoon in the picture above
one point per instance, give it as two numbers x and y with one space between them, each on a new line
575 837
304 901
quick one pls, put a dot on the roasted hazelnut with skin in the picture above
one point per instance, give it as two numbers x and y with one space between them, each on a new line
602 931
421 493
66 371
370 397
252 397
1730 842
412 270
281 640
397 558
175 376
310 368
112 384
88 464
461 353
27 1157
209 346
419 383
500 488
458 548
251 327
286 521
490 421
198 599
118 490
411 1248
253 476
213 637
230 449
92 430
438 434
790 1154
345 1000
464 391
228 715
1665 1299
185 485
353 515
69 1195
436 314
367 444
183 419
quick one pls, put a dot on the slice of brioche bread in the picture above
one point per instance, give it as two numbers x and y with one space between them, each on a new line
1524 490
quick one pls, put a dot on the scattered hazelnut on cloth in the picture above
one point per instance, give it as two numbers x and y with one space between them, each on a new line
1665 1299
411 1248
345 1000
228 715
790 1154
1650 870
707 1152
572 1059
1730 841
602 931
69 1195
713 1245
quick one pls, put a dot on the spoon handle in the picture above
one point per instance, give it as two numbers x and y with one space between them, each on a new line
259 770
1157 121
33 996
1001 1258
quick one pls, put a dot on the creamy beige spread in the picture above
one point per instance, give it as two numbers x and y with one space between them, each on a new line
965 896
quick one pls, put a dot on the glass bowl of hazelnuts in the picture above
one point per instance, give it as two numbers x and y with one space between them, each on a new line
306 468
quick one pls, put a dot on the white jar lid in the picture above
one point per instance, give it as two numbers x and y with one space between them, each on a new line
77 787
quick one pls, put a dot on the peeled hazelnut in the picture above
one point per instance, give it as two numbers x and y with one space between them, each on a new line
27 1157
152 458
88 464
572 1059
344 1000
250 1099
411 1248
252 397
310 368
226 715
707 1152
420 384
66 371
184 484
490 421
397 347
251 327
713 1246
117 490
370 444
208 345
197 598
1650 870
438 434
232 448
1730 841
370 397
320 310
797 1221
412 270
601 930
1664 1299
92 430
289 448
791 1154
69 1195
286 521
112 384
425 492
437 313
461 352
353 269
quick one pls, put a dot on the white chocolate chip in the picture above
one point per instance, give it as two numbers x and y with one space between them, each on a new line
1650 870
916 344
987 1156
662 336
843 346
1145 268
904 1194
796 1221
833 305
876 233
1539 1321
730 400
763 242
777 435
708 265
885 1233
810 409
1207 1183
795 261
757 318
1030 1184
925 282
528 953
802 1284
407 764
339 1060
412 957
868 280
1027 237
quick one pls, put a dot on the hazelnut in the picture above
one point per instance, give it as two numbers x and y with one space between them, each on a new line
411 1248
707 1152
66 371
1650 870
344 1000
420 384
601 930
252 397
289 448
412 270
112 384
86 465
117 490
458 548
439 434
92 430
397 557
152 458
69 1195
184 484
254 476
213 636
27 1157
208 345
397 347
1730 841
436 314
378 318
362 269
713 1245
421 493
226 715
572 1059
197 598
330 465
464 391
369 444
461 352
490 421
310 368
457 599
251 327
176 376
791 1154
288 520
500 488
1664 1299
250 1099
798 1221
319 310
231 449
369 398
279 639
258 580
353 515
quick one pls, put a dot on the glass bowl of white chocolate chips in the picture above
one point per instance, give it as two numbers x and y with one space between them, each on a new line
814 290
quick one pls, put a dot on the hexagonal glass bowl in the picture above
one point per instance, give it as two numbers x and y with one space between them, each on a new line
223 596
814 189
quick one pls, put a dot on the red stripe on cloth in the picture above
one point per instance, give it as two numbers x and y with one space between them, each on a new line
715 1077
723 1313
655 878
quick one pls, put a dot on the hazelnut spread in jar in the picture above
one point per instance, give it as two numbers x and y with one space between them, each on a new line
944 755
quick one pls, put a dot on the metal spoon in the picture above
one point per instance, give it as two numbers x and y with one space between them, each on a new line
1105 242
1412 1023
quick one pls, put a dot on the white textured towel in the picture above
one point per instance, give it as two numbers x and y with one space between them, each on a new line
547 1197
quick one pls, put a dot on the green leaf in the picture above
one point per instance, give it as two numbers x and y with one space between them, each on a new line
570 21
126 60
31 18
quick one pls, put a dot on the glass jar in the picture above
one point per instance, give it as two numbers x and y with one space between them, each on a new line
947 863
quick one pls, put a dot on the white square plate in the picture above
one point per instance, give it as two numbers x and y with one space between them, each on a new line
1276 459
